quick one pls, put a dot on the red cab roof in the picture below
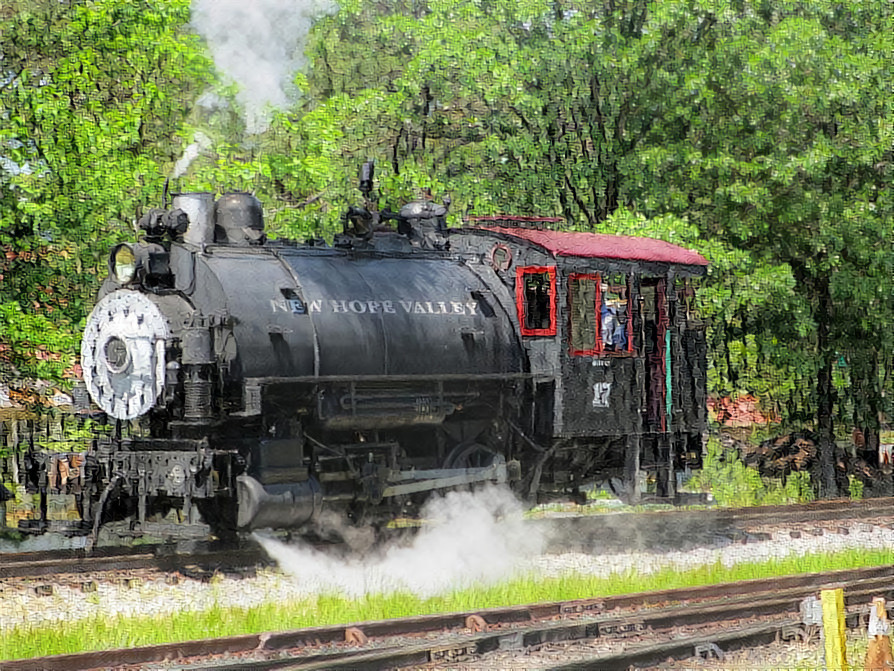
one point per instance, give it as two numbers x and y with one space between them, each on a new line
603 246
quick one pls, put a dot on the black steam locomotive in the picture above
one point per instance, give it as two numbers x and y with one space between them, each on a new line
261 382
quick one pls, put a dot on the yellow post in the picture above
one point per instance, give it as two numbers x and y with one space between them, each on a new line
834 630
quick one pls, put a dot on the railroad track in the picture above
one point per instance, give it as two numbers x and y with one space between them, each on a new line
167 558
628 530
646 530
640 629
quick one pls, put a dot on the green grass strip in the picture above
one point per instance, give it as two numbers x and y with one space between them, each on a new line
106 632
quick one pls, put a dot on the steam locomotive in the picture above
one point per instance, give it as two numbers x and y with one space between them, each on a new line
260 382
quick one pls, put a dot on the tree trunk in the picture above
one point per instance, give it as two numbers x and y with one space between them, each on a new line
825 426
825 392
872 422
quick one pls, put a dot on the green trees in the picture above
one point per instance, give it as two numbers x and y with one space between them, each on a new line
526 106
91 95
785 150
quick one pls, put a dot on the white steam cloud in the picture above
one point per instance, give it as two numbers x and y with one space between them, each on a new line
192 151
469 539
258 44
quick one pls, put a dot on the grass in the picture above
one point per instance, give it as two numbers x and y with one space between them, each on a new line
105 632
723 474
733 484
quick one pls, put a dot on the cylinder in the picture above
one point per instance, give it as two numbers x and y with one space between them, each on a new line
196 346
282 506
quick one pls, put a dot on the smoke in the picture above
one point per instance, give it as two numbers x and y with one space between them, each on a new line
202 142
258 44
468 539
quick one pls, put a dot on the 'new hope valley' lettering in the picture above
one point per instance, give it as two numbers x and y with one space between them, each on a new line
347 306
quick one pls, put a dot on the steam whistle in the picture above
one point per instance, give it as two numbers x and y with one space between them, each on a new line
367 173
360 222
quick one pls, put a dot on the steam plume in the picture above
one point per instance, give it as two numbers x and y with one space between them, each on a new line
471 538
258 44
202 142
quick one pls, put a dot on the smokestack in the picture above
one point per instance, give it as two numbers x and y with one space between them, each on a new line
198 207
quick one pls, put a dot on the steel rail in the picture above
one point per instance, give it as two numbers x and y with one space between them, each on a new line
161 557
621 529
532 625
466 649
635 530
682 647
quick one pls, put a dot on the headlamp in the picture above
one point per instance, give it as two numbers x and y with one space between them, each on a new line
123 264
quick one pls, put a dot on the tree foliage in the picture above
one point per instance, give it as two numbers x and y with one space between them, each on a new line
785 150
92 94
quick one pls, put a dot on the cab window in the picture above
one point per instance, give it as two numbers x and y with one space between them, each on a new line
614 314
583 299
535 295
599 314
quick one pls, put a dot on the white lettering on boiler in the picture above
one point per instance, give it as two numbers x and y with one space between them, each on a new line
347 306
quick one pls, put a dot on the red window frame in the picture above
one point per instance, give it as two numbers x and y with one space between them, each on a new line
599 346
521 302
597 340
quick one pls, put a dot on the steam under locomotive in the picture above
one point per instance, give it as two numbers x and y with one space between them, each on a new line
261 382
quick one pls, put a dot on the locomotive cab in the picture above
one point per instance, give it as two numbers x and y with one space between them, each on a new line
617 361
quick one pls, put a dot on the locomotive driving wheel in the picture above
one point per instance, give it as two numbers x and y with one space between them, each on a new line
471 455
